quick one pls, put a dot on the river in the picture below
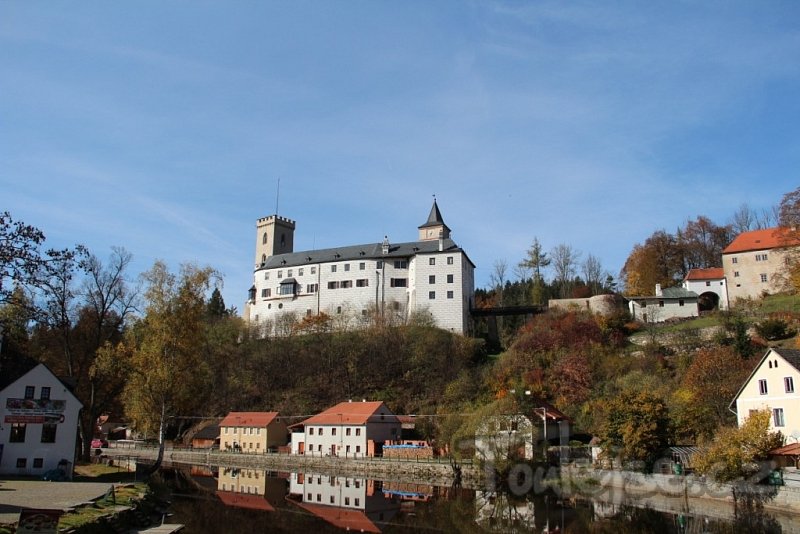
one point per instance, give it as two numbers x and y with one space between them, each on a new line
248 500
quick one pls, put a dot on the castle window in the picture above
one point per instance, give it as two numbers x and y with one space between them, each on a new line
263 259
333 268
362 282
431 261
398 282
449 278
432 279
266 275
313 270
287 289
266 293
400 264
431 295
300 271
346 284
264 239
449 294
379 264
289 273
333 285
362 266
280 275
449 260
283 240
312 288
346 267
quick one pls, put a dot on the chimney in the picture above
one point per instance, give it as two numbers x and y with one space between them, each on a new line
658 290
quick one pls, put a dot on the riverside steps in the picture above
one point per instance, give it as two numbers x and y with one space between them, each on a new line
437 471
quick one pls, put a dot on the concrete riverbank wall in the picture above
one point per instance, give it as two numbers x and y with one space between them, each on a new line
436 471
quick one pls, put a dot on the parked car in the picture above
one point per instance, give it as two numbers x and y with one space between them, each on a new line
98 443
55 475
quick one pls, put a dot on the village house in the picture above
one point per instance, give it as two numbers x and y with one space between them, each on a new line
665 304
207 437
771 386
39 425
755 262
711 286
517 435
252 432
353 429
432 275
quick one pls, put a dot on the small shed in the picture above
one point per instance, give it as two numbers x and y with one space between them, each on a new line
206 438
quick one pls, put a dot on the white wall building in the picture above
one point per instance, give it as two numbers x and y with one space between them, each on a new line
352 429
350 283
39 424
710 285
668 303
773 385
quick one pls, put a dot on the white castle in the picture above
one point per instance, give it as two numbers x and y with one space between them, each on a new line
353 283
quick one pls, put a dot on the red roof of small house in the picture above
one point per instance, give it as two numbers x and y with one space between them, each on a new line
243 500
793 449
346 518
713 273
352 413
762 240
254 419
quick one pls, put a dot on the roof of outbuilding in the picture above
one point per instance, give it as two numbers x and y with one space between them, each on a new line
351 413
209 432
359 252
259 419
669 293
766 239
712 273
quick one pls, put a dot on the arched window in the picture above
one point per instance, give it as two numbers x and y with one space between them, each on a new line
264 239
263 258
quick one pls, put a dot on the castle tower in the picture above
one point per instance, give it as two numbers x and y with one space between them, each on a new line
434 227
274 235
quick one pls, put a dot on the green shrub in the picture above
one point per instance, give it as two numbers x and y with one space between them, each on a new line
773 329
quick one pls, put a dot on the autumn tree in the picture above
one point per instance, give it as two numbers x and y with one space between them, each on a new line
737 453
162 351
789 219
702 242
635 427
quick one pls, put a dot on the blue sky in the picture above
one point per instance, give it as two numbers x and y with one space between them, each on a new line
164 127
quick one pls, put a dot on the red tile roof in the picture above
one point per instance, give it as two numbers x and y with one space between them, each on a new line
352 413
714 273
762 240
254 419
243 500
346 518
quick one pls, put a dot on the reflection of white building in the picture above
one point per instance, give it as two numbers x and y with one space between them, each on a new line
500 512
39 425
349 283
516 435
347 502
352 429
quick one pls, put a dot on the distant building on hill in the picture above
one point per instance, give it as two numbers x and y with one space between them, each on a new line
755 262
351 283
710 285
666 304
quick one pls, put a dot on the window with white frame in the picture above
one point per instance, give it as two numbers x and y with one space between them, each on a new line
449 260
431 261
333 268
788 384
777 417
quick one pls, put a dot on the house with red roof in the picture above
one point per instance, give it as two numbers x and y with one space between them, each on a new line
255 432
711 286
755 262
352 429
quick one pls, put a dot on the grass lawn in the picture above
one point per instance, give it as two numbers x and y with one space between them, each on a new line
101 473
123 496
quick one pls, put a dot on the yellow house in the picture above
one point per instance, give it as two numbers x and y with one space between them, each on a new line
774 384
256 432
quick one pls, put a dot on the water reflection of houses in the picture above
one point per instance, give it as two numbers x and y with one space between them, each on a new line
251 488
345 502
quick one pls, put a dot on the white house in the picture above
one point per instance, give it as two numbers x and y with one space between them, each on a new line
774 384
352 429
39 425
516 435
349 503
755 262
350 283
711 286
668 303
